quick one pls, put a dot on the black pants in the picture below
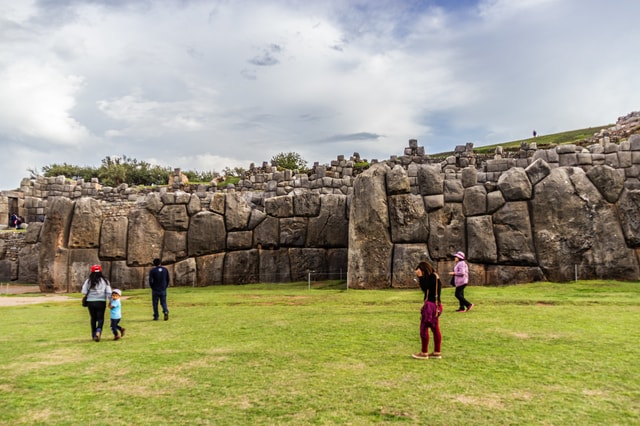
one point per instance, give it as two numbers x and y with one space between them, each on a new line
96 310
464 303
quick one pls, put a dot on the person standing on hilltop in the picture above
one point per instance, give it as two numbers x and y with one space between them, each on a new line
159 282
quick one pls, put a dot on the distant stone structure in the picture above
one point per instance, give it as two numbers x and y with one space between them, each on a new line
534 214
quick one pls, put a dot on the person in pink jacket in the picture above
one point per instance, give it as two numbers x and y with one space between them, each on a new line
461 279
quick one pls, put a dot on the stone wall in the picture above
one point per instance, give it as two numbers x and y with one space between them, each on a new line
532 215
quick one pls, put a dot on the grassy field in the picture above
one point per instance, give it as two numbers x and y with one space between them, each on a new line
551 354
578 136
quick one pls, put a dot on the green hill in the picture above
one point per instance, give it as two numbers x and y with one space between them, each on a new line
578 137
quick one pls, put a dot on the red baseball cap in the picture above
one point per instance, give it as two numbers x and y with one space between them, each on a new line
96 268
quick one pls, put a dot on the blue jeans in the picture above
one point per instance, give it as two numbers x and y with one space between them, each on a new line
159 297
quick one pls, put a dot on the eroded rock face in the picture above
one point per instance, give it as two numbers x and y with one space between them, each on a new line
575 227
53 253
370 246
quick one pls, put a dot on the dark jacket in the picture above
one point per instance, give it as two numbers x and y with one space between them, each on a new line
159 279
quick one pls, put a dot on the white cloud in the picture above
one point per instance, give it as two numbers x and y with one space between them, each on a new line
210 85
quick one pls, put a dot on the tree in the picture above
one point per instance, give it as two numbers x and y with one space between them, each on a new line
289 161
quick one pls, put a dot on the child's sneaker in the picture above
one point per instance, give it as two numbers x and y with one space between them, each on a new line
116 337
122 332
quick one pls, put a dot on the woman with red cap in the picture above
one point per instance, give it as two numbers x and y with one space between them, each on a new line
97 289
461 279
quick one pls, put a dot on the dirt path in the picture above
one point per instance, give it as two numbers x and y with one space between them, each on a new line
8 298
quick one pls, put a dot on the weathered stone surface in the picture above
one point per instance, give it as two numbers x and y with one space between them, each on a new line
515 185
239 240
174 217
408 218
331 227
307 204
537 171
153 203
53 256
405 259
609 182
85 226
241 267
281 206
469 177
430 179
500 274
337 263
32 234
571 218
237 212
267 234
113 238
194 205
293 231
184 273
475 201
481 240
218 203
370 246
446 231
209 269
398 181
174 247
495 200
275 266
206 234
256 218
80 261
308 260
453 191
514 239
126 278
145 238
433 202
27 264
628 208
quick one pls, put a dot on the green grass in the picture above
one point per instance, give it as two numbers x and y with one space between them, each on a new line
578 137
551 354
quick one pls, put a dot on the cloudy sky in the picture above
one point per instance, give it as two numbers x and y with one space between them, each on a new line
205 84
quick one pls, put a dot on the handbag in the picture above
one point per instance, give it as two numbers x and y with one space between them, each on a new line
84 301
453 281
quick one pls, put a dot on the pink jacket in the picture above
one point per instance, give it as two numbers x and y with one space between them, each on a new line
461 273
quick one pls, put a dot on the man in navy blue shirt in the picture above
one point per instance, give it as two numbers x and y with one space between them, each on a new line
159 281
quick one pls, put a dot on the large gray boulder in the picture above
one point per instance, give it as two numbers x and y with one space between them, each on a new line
475 201
447 231
481 240
405 259
241 267
408 219
515 184
330 227
113 238
628 208
206 234
430 179
513 233
370 246
54 237
576 229
237 212
174 247
85 226
174 217
209 269
609 181
145 237
308 260
275 266
398 181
